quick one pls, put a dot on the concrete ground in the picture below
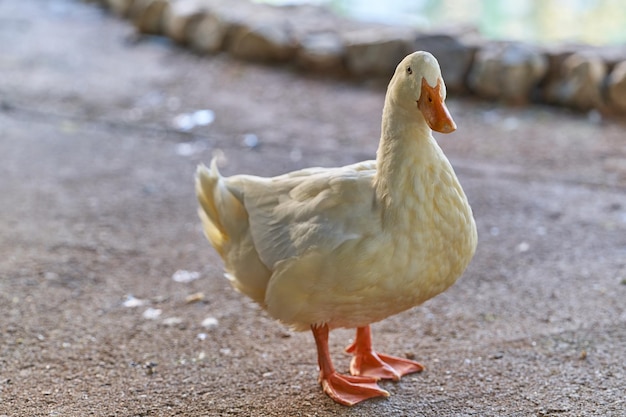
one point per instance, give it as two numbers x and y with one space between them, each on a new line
97 214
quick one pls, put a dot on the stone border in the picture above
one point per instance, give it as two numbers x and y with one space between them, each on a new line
314 39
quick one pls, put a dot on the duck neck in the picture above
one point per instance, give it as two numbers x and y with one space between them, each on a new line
406 145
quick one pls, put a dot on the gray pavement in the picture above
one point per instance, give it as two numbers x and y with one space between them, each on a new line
97 214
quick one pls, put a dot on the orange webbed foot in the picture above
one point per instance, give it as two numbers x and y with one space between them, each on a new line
367 362
380 366
350 390
345 389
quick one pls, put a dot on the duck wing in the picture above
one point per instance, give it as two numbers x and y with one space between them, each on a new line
312 209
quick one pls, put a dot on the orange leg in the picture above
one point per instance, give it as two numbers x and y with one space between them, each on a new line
345 389
367 362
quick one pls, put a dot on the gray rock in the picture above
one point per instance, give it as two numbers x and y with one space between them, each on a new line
264 42
308 19
226 20
317 40
179 17
454 56
321 52
556 55
580 82
209 34
610 54
507 71
617 87
147 15
376 51
119 7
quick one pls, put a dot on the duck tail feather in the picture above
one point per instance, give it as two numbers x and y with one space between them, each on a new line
208 194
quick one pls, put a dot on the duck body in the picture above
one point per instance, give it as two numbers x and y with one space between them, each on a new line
349 246
320 246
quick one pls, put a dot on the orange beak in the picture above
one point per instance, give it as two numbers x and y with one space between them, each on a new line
434 109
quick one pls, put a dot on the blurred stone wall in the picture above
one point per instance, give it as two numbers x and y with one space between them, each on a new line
313 39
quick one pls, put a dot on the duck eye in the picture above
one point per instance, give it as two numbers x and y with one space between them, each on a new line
409 70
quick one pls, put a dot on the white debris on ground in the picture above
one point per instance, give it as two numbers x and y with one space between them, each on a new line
250 140
185 276
185 122
132 302
210 323
152 313
190 148
194 298
172 321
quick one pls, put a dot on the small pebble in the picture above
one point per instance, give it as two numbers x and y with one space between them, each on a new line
194 298
251 140
149 367
203 117
189 148
152 313
51 276
183 122
185 276
172 321
131 302
210 323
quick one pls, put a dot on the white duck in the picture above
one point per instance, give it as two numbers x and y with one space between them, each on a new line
324 248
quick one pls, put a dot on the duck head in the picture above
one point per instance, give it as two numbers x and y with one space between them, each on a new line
417 84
